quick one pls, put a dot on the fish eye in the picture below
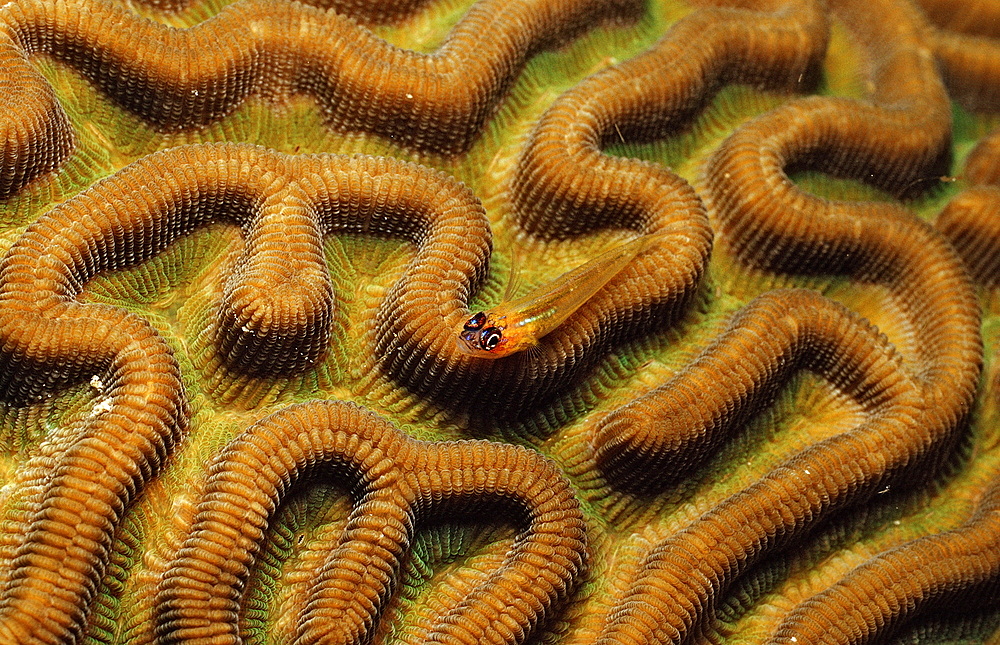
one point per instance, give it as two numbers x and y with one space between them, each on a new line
476 322
489 338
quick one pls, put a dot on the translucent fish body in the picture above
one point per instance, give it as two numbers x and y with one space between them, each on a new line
518 324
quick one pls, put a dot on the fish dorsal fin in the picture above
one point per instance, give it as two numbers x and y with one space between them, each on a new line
514 278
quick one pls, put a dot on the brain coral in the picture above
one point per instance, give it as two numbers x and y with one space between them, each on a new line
241 238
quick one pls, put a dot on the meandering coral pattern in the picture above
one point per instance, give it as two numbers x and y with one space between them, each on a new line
240 239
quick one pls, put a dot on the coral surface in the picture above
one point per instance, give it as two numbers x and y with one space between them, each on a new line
242 241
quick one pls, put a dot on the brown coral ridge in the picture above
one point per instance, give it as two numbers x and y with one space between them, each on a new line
972 17
672 430
274 318
277 305
768 222
896 141
138 211
47 339
982 166
187 78
681 575
971 220
366 12
565 186
967 47
417 329
398 482
39 139
958 569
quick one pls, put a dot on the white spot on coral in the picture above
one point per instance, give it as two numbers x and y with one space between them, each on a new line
104 405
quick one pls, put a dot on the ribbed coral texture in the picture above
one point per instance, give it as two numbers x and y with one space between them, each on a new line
399 483
579 566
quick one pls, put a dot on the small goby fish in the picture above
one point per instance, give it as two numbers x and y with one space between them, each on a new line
518 324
